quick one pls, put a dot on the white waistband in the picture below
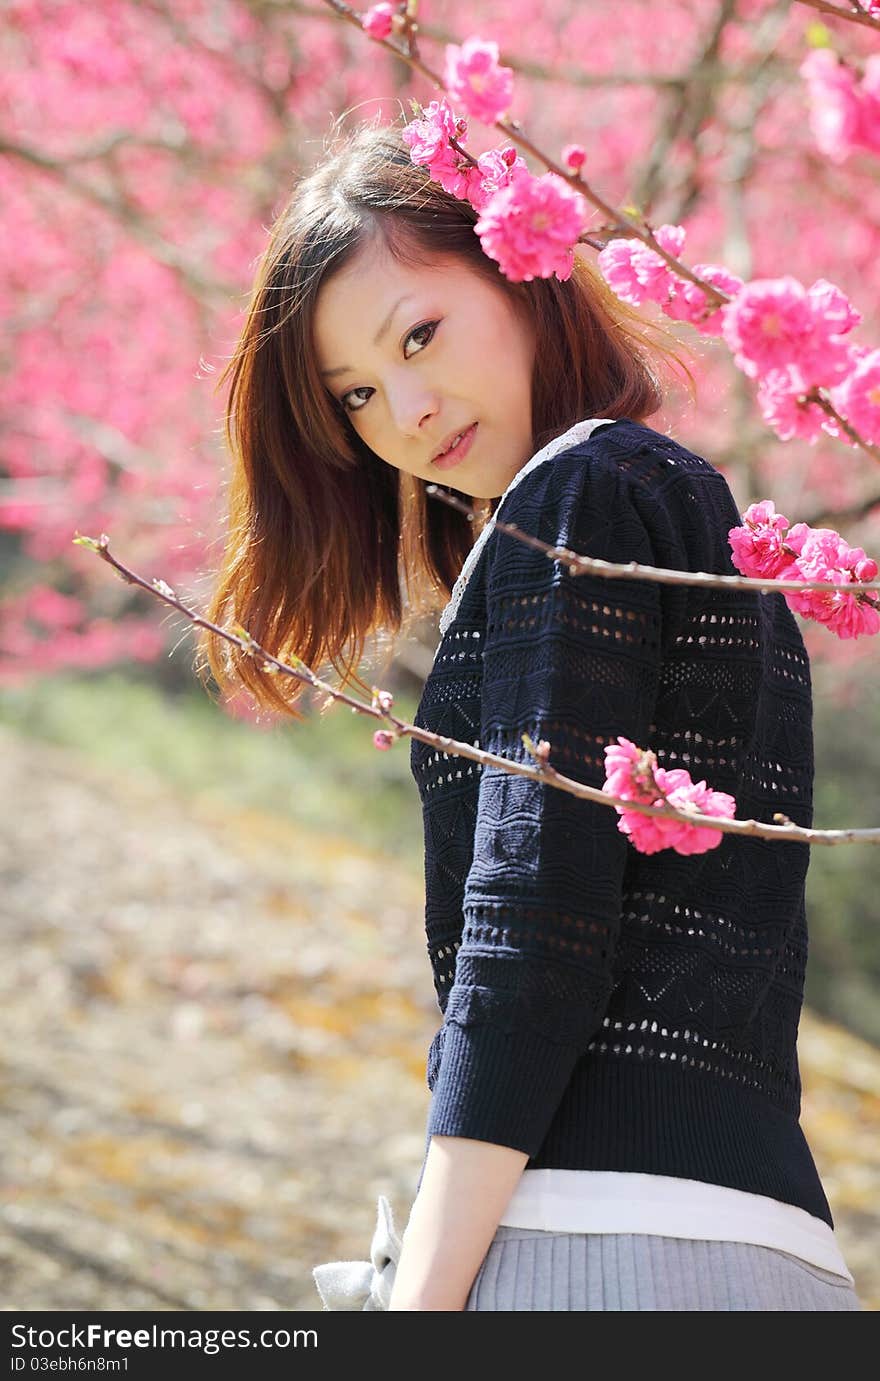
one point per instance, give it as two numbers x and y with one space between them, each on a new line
616 1201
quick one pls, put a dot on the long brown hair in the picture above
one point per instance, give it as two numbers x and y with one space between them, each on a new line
322 533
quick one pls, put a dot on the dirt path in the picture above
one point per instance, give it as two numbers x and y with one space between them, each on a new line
213 1038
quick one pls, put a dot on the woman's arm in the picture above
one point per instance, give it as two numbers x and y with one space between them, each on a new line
466 1186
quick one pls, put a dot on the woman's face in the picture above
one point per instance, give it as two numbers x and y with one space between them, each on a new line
412 373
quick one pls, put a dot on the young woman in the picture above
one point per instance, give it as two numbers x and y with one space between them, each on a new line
615 1105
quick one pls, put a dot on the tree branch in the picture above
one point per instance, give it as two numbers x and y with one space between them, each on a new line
380 709
855 14
631 570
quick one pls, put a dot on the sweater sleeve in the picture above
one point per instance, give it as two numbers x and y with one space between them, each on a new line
575 660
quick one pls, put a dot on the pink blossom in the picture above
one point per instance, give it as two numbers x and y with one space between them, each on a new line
649 834
844 109
858 397
382 739
637 273
632 773
798 534
822 554
629 771
531 226
377 20
697 796
757 545
687 302
494 170
778 397
671 237
428 139
832 307
474 79
766 323
574 156
762 547
773 323
428 136
834 105
616 261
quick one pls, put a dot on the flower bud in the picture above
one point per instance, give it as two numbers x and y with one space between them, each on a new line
574 156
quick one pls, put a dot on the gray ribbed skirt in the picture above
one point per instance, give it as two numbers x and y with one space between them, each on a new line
526 1269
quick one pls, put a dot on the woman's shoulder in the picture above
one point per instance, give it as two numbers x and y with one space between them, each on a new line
637 463
626 470
634 446
604 460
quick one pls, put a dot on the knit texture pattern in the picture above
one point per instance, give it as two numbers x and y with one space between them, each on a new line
605 1009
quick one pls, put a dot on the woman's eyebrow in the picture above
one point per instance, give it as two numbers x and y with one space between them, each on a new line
346 368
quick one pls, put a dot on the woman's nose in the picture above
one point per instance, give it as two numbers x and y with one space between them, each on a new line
412 405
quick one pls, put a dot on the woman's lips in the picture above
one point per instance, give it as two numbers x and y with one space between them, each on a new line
458 453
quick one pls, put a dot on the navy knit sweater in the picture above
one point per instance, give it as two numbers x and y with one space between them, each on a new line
605 1009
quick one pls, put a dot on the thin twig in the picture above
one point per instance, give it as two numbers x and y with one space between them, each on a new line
817 396
631 570
785 831
855 14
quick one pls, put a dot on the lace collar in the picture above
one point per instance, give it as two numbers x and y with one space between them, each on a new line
581 431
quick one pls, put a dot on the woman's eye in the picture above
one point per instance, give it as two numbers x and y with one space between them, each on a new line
429 326
426 326
346 404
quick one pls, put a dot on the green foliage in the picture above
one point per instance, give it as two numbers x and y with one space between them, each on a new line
325 773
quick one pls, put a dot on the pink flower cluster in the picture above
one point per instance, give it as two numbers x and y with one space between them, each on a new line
777 324
473 77
45 630
789 338
429 145
528 225
428 139
844 110
857 398
633 774
638 274
765 546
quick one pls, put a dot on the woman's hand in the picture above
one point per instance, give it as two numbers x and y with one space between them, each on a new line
466 1186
